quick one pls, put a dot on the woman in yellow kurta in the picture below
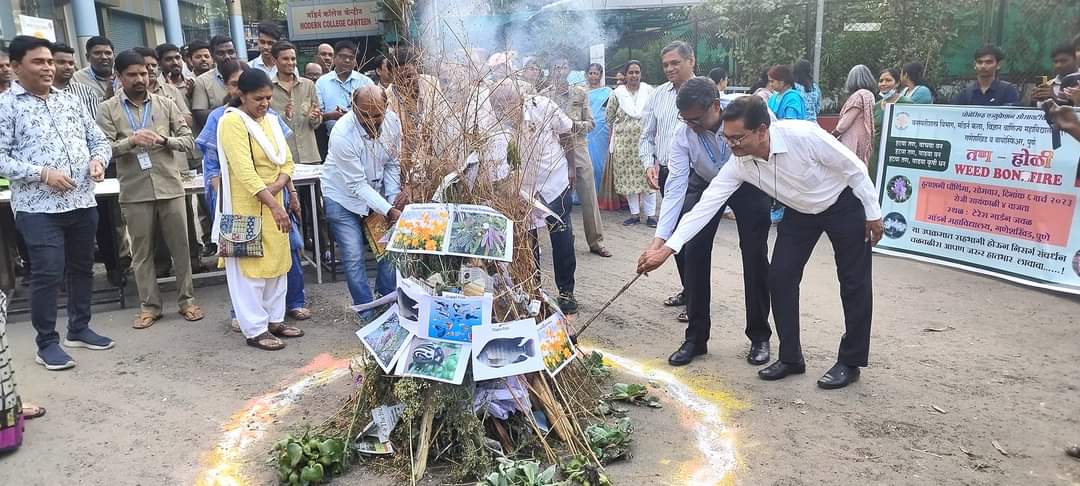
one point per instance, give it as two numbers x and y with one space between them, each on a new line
256 165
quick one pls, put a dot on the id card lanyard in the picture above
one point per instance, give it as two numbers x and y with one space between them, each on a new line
143 155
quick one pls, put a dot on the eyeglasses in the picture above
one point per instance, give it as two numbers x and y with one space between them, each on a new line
736 141
696 121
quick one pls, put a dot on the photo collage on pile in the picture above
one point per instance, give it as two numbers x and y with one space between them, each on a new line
432 335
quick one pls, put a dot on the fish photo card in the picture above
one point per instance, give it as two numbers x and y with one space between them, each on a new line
555 345
452 317
434 360
385 338
506 349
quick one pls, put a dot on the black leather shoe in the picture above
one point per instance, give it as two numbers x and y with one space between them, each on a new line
686 353
759 353
839 376
781 369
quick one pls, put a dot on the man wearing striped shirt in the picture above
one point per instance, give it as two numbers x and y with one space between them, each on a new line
110 230
64 61
661 118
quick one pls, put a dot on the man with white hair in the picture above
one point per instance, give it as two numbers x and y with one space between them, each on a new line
540 130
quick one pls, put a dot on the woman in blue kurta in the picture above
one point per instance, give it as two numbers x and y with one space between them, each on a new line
598 137
786 102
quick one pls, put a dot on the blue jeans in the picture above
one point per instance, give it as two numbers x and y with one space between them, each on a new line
294 296
348 230
61 245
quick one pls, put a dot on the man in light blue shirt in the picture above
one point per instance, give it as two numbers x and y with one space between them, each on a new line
362 174
336 88
698 151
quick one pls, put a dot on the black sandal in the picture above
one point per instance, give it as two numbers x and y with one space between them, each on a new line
266 342
279 329
675 300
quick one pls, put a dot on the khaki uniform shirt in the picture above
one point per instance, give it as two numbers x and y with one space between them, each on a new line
575 103
209 91
173 93
305 150
162 179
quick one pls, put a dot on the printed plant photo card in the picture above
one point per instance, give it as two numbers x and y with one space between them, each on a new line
454 229
385 338
555 345
481 232
452 318
506 349
434 360
422 228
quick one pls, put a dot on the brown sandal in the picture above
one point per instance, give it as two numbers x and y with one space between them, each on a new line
602 251
279 329
30 412
300 313
145 320
192 313
266 342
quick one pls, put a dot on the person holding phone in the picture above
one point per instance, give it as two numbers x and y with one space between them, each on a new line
1065 64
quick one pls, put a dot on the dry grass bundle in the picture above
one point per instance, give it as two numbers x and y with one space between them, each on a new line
461 127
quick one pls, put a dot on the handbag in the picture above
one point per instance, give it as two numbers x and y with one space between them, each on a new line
240 235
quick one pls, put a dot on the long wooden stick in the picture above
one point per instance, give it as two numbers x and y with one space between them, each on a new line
605 306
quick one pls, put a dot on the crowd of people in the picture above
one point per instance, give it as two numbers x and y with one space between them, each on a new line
149 117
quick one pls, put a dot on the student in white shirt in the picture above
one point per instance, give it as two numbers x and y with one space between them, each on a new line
826 189
539 129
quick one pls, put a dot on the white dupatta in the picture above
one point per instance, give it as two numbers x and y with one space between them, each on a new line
276 150
633 103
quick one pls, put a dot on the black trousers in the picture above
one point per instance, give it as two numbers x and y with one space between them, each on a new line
751 207
845 224
563 258
661 178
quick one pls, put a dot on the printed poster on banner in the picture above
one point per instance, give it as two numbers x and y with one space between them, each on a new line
983 189
454 229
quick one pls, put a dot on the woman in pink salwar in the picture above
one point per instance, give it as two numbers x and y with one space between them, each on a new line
856 127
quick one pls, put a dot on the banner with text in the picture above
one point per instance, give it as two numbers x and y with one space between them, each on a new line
982 189
321 20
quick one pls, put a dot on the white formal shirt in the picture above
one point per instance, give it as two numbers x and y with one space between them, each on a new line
659 119
807 169
542 158
363 173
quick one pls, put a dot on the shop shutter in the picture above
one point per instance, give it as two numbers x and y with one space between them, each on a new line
126 31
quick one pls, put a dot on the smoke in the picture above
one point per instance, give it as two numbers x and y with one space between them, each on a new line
460 29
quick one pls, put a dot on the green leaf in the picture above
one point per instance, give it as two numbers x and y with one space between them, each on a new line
295 453
313 473
547 475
